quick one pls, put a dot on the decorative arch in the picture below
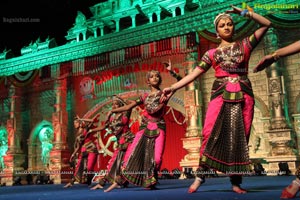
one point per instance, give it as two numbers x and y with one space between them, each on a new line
80 37
40 145
178 11
23 79
260 104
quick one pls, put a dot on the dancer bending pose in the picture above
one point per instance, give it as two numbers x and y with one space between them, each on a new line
118 125
85 150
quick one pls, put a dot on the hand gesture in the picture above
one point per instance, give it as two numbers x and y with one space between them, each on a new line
234 10
95 118
168 65
109 113
264 63
167 93
72 158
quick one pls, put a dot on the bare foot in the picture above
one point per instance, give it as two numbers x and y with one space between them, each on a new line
110 188
195 185
68 185
290 191
98 186
238 189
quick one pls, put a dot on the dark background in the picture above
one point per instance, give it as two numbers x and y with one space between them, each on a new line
55 17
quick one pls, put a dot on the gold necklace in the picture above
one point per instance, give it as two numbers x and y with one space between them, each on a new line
225 45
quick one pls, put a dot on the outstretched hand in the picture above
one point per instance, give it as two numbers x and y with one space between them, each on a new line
264 63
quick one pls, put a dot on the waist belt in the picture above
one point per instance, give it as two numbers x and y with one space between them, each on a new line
234 79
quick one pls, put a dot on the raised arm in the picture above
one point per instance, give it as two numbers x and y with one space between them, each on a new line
99 128
288 50
169 91
102 127
282 52
125 107
262 21
187 79
172 72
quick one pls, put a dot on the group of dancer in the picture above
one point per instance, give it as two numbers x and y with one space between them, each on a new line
228 118
138 156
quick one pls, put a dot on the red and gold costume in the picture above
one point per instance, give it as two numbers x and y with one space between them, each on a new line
229 115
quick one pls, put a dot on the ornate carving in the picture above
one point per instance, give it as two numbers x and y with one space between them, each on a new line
280 142
261 105
192 145
129 37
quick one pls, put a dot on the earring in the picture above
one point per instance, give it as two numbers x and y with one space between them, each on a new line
218 36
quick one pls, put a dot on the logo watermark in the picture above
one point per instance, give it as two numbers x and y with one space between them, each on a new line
11 20
276 8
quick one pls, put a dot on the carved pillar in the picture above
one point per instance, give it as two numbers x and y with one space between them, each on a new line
117 25
133 24
158 15
14 156
182 9
84 35
95 33
297 129
265 144
77 37
280 135
150 17
101 30
174 12
192 139
59 155
32 156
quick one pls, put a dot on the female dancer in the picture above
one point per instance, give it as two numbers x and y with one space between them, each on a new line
85 150
118 124
290 191
143 158
230 112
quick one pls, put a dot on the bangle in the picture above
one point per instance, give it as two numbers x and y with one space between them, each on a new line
275 56
244 12
250 15
247 13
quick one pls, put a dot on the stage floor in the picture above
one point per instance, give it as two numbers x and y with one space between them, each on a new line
259 188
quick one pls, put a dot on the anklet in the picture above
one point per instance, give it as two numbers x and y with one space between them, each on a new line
199 179
296 183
